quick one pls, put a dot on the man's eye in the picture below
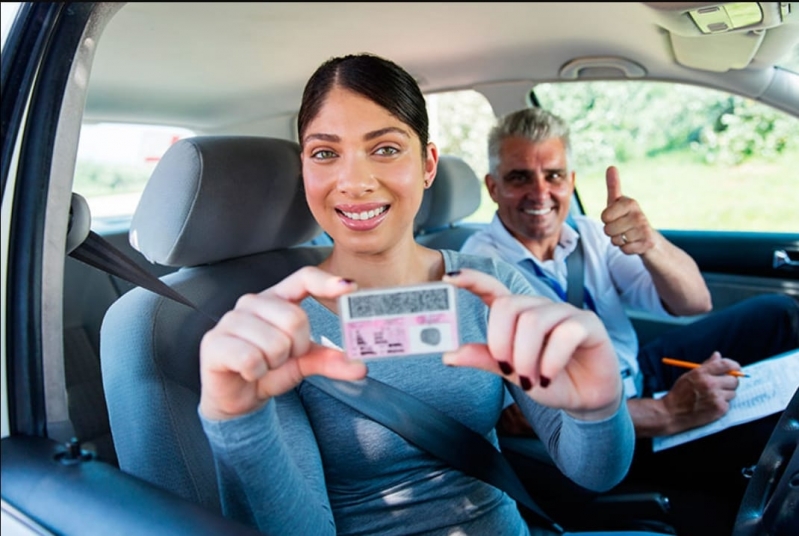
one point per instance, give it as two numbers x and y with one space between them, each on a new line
386 151
556 177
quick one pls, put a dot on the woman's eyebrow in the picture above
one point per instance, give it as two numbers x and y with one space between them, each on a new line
377 133
368 136
321 137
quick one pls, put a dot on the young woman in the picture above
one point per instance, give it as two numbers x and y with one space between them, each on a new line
291 459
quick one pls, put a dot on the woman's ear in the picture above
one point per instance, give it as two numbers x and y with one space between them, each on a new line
430 164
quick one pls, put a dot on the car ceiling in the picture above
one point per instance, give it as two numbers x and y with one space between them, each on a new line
214 67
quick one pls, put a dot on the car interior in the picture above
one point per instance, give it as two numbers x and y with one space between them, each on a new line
102 375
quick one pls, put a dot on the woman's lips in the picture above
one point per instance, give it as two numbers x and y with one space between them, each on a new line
362 218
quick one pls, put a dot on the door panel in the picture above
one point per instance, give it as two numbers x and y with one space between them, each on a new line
736 266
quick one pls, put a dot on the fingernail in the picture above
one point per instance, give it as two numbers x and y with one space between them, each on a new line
347 281
453 273
506 368
544 381
526 383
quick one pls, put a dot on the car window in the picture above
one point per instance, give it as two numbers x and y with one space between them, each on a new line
694 158
459 126
8 11
114 162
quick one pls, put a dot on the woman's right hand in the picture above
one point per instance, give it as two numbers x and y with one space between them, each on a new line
262 347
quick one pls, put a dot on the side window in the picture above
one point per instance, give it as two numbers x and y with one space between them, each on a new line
694 158
114 163
459 125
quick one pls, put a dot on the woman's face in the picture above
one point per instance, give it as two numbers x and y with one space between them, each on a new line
364 178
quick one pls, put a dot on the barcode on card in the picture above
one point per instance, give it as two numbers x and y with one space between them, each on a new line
398 303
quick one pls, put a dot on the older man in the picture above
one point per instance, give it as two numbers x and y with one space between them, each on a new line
629 264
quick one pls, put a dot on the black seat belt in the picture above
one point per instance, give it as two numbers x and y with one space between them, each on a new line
429 428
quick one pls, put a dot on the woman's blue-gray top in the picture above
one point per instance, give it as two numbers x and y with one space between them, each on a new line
307 464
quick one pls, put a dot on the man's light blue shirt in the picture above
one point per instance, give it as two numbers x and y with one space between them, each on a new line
614 280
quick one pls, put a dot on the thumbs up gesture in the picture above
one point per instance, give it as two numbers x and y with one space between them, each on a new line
625 222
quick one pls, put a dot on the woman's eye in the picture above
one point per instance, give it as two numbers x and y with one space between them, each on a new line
322 154
387 151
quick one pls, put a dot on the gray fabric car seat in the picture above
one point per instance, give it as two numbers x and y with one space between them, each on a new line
455 194
229 213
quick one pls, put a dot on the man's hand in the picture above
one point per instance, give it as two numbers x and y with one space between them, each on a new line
625 222
698 397
676 276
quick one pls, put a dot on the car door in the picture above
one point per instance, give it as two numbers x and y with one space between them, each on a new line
49 483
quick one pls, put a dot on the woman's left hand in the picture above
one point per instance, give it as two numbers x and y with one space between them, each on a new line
560 355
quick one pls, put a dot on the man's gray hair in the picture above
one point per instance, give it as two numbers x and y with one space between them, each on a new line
533 124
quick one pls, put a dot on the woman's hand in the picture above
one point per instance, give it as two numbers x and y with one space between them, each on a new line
262 348
560 355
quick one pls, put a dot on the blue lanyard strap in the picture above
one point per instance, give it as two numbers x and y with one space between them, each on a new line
588 300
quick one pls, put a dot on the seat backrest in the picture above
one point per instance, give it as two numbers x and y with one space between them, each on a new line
455 194
88 292
218 209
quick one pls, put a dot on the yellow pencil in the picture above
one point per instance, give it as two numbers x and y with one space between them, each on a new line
688 364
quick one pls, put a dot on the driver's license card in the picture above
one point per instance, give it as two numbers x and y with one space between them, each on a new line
399 321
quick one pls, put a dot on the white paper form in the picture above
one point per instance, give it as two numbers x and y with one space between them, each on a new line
767 390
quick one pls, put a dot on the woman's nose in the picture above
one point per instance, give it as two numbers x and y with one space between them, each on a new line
356 177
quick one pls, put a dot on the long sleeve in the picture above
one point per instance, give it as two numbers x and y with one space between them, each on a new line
594 454
270 472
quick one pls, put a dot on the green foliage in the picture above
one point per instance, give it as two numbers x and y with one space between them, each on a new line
620 122
96 178
460 122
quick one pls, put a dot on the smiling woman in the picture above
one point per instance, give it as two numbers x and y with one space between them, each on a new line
365 166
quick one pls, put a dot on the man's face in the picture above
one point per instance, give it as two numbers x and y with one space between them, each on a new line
532 189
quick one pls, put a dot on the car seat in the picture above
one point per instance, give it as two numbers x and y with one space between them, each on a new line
228 212
454 195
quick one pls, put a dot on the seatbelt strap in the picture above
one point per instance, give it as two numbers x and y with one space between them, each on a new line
427 428
434 431
574 275
98 252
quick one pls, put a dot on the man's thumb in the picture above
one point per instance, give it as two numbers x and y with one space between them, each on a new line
614 184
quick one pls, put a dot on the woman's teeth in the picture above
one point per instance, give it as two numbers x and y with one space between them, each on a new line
366 215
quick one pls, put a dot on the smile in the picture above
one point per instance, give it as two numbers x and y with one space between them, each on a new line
366 215
537 212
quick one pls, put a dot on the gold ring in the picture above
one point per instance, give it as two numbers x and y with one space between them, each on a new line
623 238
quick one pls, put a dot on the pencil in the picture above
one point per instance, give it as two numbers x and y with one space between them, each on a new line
688 364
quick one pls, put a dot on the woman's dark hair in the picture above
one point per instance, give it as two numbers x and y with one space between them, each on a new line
380 80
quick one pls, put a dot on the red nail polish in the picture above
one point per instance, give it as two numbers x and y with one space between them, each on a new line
506 368
544 381
525 382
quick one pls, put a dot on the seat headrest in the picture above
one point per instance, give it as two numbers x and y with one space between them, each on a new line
454 195
212 198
